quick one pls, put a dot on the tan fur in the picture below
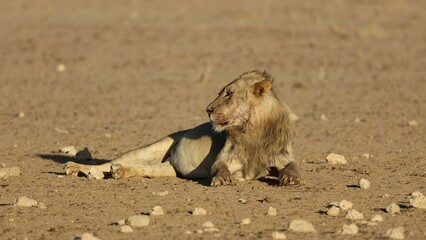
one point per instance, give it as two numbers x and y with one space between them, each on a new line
248 137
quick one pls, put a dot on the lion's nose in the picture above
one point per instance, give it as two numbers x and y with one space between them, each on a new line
209 109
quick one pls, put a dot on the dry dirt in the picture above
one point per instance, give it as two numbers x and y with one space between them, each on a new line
137 70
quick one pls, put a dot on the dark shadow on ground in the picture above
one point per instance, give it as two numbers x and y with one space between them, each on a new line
64 159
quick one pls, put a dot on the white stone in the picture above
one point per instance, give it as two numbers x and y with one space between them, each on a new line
278 235
357 120
199 211
245 221
121 222
293 117
301 226
86 236
25 202
21 114
126 229
242 200
393 208
95 173
138 221
334 158
212 229
41 206
377 218
61 67
162 193
364 183
354 215
333 211
395 233
9 172
272 211
345 205
69 150
84 154
323 117
413 123
156 211
366 155
208 224
351 229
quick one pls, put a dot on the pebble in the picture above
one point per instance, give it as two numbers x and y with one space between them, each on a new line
199 211
395 233
41 206
95 173
351 229
418 200
61 67
86 236
412 123
21 114
334 158
242 200
293 117
301 226
364 183
84 154
278 235
126 229
345 205
357 120
272 211
6 172
366 155
138 221
121 222
377 218
393 208
212 229
245 221
354 215
156 211
333 211
323 117
25 202
59 130
208 224
69 150
162 193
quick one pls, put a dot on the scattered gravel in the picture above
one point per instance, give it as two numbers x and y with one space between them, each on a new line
395 233
9 172
393 208
351 229
245 221
25 202
84 154
95 173
354 215
68 150
272 211
126 229
278 235
86 236
138 221
301 226
418 200
334 158
199 211
156 211
366 155
333 211
364 183
345 205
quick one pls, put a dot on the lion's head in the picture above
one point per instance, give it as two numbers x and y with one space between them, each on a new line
240 101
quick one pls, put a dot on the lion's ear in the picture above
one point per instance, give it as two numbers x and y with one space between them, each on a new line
261 88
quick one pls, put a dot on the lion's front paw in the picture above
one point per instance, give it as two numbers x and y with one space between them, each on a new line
118 171
290 175
222 179
72 168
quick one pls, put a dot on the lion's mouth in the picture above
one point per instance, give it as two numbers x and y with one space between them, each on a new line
218 119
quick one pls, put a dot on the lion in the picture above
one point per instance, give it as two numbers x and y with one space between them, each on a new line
248 137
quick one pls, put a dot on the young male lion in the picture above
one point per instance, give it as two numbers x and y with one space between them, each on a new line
248 137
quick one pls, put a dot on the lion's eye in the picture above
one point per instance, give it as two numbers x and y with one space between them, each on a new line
228 94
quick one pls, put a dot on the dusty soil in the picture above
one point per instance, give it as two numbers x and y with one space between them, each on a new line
137 70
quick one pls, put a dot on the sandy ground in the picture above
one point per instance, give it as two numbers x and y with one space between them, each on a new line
137 70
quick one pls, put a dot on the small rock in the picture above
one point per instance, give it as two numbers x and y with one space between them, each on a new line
351 229
333 211
272 211
366 155
357 120
245 221
293 117
59 130
199 211
208 224
418 200
241 200
21 114
156 211
6 172
188 232
138 221
25 202
334 158
354 215
95 173
377 218
86 236
162 193
278 235
413 123
323 117
126 229
364 183
61 67
213 229
108 135
69 150
199 231
386 195
84 154
345 205
301 226
41 206
395 233
393 208
121 222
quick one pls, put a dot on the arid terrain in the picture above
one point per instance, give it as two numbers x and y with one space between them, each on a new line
115 75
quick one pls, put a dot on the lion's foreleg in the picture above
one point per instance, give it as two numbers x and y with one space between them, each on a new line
158 170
